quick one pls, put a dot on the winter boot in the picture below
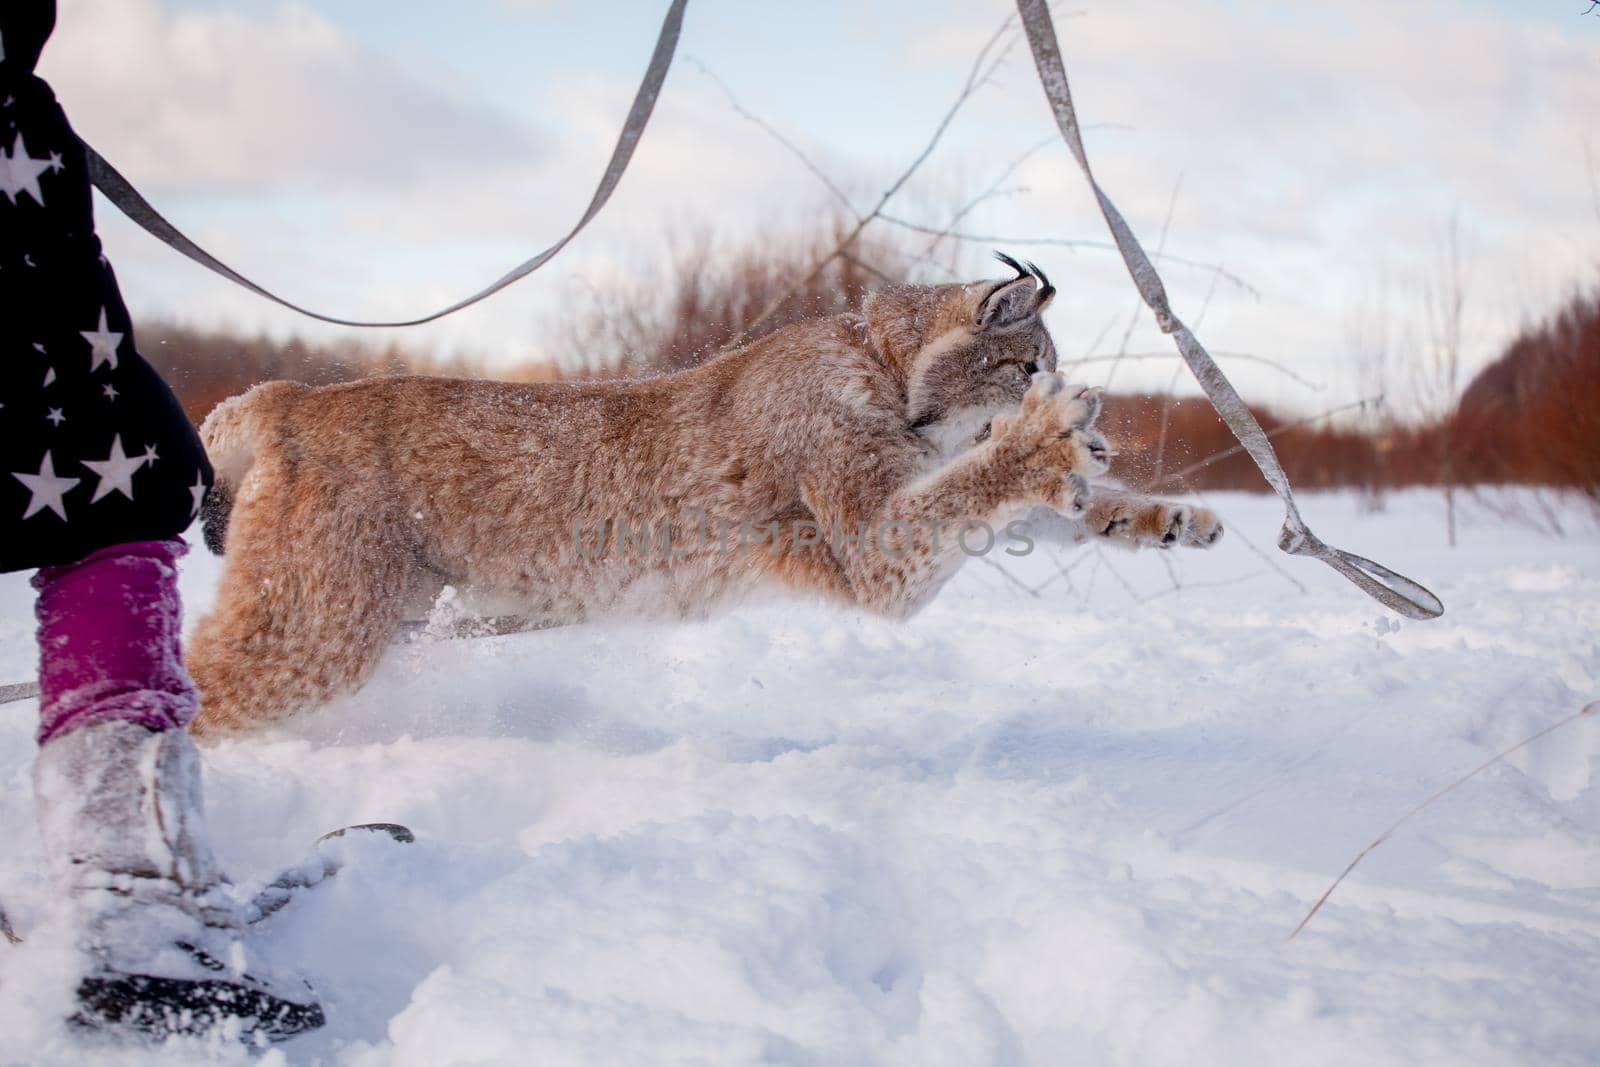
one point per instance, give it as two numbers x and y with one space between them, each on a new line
120 812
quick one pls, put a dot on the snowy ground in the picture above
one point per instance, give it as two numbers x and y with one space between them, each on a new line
1065 827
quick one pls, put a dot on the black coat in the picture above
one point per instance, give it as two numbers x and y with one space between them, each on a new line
94 448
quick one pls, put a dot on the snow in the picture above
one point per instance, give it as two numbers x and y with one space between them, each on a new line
1075 826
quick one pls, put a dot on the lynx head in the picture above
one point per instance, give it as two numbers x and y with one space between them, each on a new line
967 352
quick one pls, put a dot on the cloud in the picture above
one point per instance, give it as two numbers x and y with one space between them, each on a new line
221 102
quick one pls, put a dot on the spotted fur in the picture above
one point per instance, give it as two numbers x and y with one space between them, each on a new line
345 508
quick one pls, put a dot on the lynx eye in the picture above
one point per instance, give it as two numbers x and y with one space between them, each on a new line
1031 368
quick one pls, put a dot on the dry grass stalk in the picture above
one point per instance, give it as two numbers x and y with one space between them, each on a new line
1588 709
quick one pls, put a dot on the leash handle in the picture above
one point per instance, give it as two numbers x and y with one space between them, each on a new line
1390 588
128 200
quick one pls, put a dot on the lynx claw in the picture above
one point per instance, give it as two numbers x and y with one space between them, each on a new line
1175 527
1078 498
1098 449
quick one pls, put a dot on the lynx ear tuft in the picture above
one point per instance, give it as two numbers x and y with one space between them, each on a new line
1016 300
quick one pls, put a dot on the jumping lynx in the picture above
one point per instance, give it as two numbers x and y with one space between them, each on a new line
838 457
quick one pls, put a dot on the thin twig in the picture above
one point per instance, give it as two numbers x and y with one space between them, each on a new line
777 135
1236 449
1072 243
1265 557
1244 357
869 268
1138 304
1587 709
1126 585
1219 584
1172 572
1166 422
982 67
971 205
1013 579
1205 305
1063 570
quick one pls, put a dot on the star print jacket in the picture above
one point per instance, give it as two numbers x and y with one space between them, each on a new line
94 448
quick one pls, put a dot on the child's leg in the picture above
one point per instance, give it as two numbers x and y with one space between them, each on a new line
109 629
117 783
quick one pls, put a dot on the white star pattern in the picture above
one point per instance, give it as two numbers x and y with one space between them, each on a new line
55 417
102 344
198 492
19 172
46 489
49 378
115 471
150 456
108 389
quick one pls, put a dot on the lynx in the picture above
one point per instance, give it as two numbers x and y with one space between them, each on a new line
837 458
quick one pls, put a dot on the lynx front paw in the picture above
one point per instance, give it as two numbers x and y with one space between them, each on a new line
1202 529
1053 443
1156 523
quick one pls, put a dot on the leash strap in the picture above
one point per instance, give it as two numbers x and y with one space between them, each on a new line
122 193
1394 591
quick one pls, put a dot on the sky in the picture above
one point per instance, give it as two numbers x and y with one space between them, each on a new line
375 159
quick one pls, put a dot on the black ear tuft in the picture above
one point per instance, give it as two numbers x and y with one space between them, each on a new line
1011 301
1022 272
1046 290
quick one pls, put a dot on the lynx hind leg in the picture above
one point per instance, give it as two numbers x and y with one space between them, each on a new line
1142 521
308 602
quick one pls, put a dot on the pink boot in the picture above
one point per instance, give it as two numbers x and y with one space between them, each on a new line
108 640
117 783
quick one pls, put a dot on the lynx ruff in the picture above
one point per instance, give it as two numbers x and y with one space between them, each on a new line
863 443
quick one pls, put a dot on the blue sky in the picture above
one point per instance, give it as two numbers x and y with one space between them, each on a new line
378 158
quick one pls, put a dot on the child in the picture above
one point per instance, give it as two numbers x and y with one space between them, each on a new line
100 471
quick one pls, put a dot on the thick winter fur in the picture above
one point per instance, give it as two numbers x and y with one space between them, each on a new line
837 458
